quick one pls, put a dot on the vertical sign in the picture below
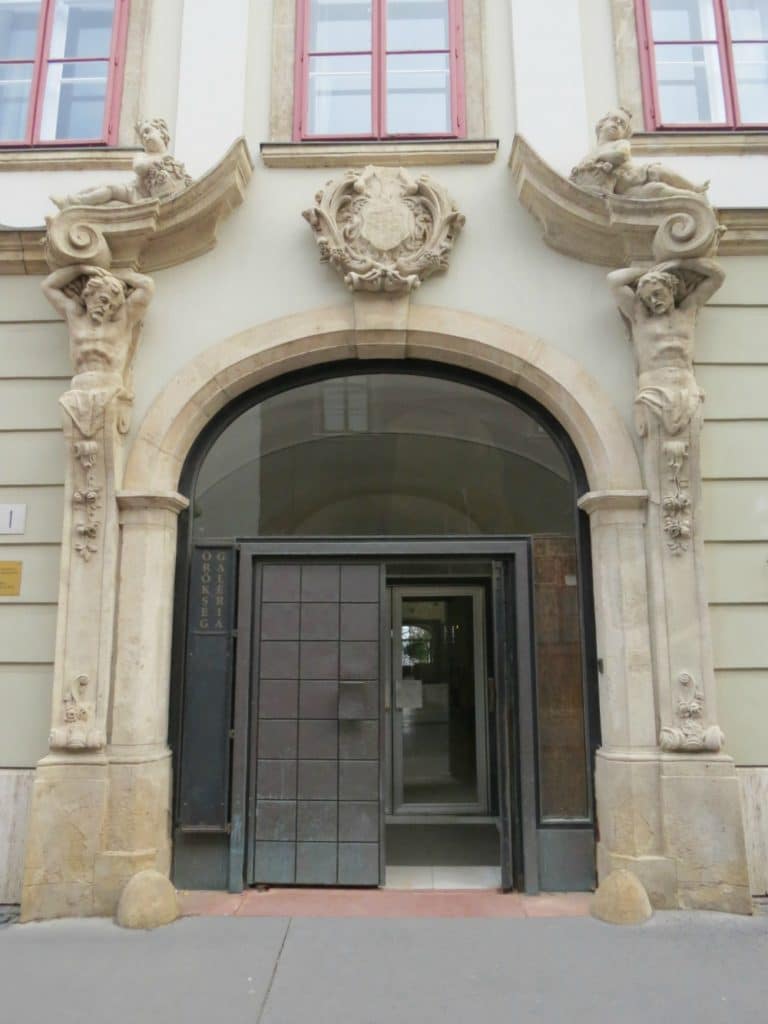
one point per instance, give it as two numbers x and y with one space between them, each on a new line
13 518
204 763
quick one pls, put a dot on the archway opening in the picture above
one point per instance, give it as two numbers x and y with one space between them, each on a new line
461 495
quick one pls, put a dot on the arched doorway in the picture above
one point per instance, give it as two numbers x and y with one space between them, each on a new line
384 638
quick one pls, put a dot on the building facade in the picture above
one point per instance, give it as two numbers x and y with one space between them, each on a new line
382 462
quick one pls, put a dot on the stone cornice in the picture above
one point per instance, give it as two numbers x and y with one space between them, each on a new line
148 235
96 158
419 153
613 231
705 143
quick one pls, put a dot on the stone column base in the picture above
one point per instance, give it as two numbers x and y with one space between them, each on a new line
91 828
704 833
66 832
675 821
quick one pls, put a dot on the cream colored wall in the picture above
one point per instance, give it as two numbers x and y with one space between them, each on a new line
732 362
266 266
34 369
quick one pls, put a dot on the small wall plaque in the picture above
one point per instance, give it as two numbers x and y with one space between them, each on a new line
13 518
10 579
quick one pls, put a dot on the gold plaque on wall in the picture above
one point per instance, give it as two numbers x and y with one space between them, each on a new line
10 579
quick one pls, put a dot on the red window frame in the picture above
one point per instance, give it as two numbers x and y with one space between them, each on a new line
725 47
41 62
379 54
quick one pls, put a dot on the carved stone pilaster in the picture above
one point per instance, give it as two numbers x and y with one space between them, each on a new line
84 642
660 306
679 612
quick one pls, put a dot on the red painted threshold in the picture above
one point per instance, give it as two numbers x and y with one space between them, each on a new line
382 903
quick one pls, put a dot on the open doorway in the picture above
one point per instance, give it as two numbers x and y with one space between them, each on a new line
442 811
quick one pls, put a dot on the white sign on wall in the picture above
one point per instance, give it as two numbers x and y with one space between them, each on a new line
13 518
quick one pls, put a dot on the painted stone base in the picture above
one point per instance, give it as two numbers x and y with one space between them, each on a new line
674 821
15 793
93 827
754 804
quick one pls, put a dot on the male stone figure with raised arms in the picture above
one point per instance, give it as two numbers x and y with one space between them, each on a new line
102 310
661 310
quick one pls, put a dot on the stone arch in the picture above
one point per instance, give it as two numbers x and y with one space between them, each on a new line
378 328
270 350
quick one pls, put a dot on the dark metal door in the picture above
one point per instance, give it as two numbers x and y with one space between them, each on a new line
317 723
514 723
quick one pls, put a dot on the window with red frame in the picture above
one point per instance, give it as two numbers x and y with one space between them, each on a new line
704 63
60 70
379 69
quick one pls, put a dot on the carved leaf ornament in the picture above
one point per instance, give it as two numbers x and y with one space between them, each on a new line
384 230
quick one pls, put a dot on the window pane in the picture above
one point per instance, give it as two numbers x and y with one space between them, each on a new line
82 28
15 83
749 19
690 85
417 25
339 100
751 64
73 105
418 94
387 454
18 28
340 25
683 19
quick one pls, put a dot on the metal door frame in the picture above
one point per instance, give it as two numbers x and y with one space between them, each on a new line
481 714
514 684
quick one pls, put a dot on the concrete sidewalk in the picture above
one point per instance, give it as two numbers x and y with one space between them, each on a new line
680 967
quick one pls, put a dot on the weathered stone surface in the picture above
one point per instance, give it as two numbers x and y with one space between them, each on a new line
148 901
621 899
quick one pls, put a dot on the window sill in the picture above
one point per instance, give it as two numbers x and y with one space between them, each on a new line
33 158
700 143
421 152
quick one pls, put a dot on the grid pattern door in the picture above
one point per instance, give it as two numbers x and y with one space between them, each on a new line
318 739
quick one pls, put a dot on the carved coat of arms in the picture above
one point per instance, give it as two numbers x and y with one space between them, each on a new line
384 230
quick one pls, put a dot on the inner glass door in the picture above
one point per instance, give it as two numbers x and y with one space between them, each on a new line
439 724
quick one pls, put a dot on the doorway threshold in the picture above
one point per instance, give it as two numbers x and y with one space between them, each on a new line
382 903
445 878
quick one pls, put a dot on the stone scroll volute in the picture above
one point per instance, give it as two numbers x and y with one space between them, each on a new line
384 230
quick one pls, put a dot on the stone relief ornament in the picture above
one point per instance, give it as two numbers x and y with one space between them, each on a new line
157 174
77 732
384 230
87 500
690 734
677 505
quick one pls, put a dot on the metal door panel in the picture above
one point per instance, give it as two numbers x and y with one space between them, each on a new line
206 715
317 814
